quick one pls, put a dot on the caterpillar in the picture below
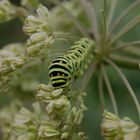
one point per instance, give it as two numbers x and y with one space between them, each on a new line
72 64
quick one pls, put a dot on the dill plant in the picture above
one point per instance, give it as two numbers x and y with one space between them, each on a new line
58 113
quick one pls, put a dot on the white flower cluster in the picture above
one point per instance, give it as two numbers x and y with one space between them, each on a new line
32 125
11 60
62 110
7 10
114 128
6 120
37 27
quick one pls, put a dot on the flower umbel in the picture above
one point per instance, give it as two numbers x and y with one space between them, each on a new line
121 129
60 109
7 10
38 28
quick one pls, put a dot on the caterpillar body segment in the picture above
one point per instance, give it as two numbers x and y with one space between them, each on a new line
71 65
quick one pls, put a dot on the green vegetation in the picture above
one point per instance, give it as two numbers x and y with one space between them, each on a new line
65 66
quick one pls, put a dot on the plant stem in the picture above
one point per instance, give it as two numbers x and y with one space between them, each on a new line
135 51
90 71
131 24
91 15
101 92
112 11
124 14
124 45
126 83
111 94
105 7
104 28
124 61
73 18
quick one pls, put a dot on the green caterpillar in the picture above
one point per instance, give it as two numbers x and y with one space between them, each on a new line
64 68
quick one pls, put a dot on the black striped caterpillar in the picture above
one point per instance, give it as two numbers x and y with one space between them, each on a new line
64 68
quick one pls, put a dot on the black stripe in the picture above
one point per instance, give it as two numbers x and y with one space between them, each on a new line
59 84
53 66
63 60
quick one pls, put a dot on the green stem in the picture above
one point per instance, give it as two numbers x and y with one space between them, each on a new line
90 71
124 45
111 94
105 7
73 18
126 62
135 51
131 24
92 18
126 83
104 28
124 14
101 91
112 11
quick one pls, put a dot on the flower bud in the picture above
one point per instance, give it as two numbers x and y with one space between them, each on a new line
78 117
35 24
38 44
43 13
20 128
40 36
24 116
27 136
31 25
110 125
46 131
128 125
115 128
81 134
47 88
58 105
129 129
57 92
132 136
44 93
64 135
13 50
10 64
37 108
7 10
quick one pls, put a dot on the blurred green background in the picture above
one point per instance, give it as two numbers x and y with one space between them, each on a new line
12 32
